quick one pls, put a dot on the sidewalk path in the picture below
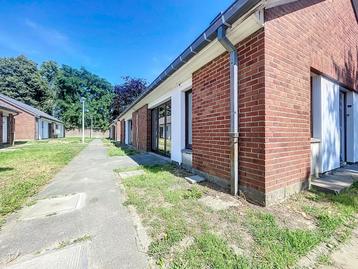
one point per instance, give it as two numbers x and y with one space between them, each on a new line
78 221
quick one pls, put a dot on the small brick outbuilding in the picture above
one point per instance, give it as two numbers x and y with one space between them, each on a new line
31 123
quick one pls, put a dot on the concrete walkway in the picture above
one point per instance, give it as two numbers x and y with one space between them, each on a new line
78 220
346 257
337 180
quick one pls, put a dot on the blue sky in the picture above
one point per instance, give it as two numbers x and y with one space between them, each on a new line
111 38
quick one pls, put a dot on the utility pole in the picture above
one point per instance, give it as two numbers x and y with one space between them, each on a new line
91 127
83 119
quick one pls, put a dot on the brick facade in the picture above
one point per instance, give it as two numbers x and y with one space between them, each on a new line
141 129
211 114
300 37
123 129
25 124
275 92
275 65
118 131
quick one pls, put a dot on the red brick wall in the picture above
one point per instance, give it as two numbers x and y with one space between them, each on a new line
300 36
24 124
141 118
118 131
123 129
211 118
211 114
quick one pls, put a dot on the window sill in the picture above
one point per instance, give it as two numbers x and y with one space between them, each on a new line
315 140
187 151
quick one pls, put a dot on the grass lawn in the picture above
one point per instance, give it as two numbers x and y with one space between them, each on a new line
114 150
27 167
188 233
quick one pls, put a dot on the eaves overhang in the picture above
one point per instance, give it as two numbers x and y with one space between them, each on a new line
237 10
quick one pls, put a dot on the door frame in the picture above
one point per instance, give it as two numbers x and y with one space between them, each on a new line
155 132
5 122
343 115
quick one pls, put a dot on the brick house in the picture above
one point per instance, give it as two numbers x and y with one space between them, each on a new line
115 131
7 124
263 99
31 123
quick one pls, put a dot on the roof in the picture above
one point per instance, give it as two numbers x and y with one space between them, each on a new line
29 109
7 108
228 17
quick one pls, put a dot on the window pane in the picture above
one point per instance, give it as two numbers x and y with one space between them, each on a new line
161 145
168 128
155 129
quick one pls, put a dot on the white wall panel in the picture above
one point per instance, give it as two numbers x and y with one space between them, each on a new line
325 99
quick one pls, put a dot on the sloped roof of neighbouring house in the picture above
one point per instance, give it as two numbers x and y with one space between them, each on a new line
7 108
29 109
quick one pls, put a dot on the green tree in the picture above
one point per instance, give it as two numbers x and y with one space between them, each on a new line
21 80
72 85
49 71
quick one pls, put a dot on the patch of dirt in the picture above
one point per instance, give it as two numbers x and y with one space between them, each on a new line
290 215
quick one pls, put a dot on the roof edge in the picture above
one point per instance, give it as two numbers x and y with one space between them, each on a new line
234 12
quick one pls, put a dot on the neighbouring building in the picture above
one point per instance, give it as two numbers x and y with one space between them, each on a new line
7 124
263 99
115 131
31 123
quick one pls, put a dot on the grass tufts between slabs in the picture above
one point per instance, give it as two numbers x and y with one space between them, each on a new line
187 233
30 166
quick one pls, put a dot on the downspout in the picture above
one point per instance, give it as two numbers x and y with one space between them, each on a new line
234 107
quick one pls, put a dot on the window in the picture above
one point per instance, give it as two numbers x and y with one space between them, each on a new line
161 129
188 119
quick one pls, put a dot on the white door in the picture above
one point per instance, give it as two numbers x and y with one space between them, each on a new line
342 125
4 129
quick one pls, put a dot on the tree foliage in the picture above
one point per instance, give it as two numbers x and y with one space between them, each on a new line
57 90
20 79
73 84
126 93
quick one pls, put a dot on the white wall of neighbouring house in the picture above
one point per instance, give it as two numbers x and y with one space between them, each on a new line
43 129
127 132
325 109
352 127
59 131
177 99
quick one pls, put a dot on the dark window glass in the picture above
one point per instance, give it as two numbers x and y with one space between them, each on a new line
161 129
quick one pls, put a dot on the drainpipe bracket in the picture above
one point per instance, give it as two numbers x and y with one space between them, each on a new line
234 134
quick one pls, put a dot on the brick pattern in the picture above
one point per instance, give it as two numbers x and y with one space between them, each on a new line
211 114
25 124
11 130
305 35
118 131
141 120
123 129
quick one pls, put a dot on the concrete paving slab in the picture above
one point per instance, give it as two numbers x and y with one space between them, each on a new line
128 174
337 181
195 179
72 257
345 257
103 217
54 206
